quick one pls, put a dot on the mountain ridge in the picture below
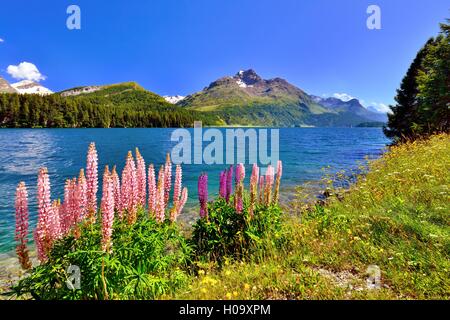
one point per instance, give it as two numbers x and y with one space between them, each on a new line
246 98
243 99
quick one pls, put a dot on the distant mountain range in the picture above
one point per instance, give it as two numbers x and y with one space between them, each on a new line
246 98
243 99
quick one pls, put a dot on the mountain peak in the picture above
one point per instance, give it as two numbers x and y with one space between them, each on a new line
248 77
30 87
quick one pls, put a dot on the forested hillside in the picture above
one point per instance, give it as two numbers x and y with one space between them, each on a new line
123 105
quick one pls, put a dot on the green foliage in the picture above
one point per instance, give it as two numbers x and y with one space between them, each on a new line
226 233
124 105
148 259
422 100
395 216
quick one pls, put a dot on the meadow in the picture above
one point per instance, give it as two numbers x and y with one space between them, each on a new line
244 245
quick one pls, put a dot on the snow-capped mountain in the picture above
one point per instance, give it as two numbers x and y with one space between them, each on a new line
174 99
30 87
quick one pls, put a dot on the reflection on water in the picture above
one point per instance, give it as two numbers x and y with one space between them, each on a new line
304 151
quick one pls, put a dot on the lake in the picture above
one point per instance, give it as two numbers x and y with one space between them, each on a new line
304 152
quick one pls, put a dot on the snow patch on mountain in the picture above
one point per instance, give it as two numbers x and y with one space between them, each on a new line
174 99
241 83
30 87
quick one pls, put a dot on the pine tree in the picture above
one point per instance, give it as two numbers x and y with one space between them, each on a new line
404 113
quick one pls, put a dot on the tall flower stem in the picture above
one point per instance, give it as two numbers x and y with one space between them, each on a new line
92 182
22 226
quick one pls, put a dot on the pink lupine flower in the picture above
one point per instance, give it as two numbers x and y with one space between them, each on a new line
151 189
92 181
239 191
167 179
22 226
261 189
40 245
74 218
116 191
43 236
223 185
129 189
229 183
239 204
141 179
81 196
107 207
183 199
203 195
277 183
67 211
240 173
56 220
160 206
269 184
177 185
177 195
253 187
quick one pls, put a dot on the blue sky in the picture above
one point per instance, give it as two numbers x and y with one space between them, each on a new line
180 46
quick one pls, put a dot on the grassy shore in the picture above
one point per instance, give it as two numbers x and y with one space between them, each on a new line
395 217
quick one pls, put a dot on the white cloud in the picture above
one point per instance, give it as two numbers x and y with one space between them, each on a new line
343 96
380 107
1 40
25 70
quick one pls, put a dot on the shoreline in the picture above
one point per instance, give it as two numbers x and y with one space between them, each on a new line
11 272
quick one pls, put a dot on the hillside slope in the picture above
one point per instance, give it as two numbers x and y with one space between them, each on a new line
395 218
5 87
248 99
118 105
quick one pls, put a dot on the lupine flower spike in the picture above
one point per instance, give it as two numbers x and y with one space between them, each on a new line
176 193
253 188
239 191
160 207
183 199
82 195
43 237
276 194
56 220
151 190
92 182
203 195
269 185
22 226
229 183
129 189
167 179
107 207
141 177
116 191
261 189
223 185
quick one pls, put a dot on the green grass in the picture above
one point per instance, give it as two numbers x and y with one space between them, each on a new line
396 217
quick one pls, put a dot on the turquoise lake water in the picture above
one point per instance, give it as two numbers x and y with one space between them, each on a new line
304 152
